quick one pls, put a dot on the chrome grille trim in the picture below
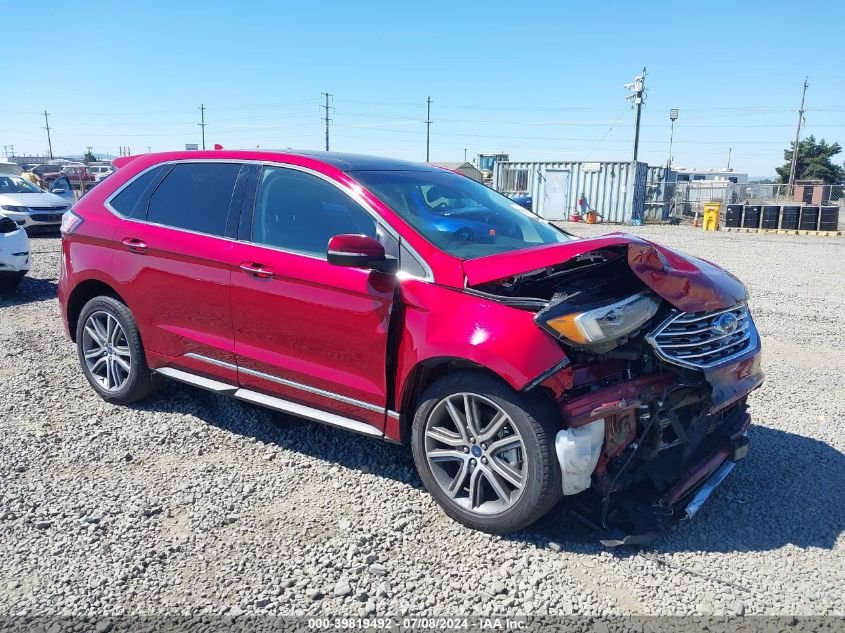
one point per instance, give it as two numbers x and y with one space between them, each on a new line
692 339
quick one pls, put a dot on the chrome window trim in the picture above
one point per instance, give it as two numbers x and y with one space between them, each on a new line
358 198
289 383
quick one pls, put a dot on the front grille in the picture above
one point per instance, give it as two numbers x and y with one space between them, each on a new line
704 339
53 209
46 217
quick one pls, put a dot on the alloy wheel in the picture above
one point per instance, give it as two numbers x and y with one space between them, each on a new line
475 453
105 349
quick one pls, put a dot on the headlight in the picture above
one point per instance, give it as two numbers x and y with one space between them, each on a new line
11 207
604 324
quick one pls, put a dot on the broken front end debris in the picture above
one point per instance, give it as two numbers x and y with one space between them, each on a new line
661 354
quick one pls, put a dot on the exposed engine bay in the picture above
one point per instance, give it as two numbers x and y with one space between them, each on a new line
653 397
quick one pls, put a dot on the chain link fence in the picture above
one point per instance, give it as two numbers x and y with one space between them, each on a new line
680 202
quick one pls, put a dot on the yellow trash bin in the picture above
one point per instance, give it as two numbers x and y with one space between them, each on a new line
711 216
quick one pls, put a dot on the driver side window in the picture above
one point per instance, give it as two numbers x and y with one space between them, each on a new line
300 212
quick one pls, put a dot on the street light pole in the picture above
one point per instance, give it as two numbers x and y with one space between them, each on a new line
673 116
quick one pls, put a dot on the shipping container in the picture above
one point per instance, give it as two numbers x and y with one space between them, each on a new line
616 190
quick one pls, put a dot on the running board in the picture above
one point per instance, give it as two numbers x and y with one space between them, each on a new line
271 402
285 406
198 381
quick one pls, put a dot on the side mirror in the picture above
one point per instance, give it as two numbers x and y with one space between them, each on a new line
57 191
359 251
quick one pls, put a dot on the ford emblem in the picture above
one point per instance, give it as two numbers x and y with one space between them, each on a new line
726 323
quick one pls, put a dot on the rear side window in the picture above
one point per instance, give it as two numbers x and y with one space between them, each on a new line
195 197
301 212
131 202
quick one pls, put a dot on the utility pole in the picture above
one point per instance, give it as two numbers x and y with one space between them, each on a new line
428 130
673 116
465 154
794 165
47 127
202 123
730 149
326 117
12 149
637 91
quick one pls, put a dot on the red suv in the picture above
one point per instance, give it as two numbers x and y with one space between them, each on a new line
412 304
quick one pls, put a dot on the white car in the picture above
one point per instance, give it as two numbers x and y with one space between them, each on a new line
10 168
14 255
100 171
28 205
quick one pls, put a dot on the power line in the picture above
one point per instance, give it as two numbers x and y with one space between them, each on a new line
794 164
326 117
202 123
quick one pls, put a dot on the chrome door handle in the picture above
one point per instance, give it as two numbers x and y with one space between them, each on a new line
257 270
135 245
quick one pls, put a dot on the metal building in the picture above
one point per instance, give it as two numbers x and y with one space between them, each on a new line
616 190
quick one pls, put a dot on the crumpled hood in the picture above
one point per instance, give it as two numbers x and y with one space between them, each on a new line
688 283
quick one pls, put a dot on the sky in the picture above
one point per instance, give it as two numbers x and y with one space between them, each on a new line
538 80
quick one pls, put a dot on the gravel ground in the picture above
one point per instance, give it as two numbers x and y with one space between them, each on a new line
193 503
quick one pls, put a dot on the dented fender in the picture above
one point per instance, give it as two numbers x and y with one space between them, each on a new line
501 338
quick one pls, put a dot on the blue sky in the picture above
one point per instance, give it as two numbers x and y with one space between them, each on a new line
543 81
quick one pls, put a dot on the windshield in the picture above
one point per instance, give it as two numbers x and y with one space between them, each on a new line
459 215
16 184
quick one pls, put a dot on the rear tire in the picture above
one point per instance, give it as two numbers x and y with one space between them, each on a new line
499 473
111 353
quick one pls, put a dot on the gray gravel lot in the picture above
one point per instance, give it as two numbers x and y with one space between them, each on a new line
193 503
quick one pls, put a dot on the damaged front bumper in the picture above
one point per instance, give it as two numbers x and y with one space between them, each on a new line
669 441
639 514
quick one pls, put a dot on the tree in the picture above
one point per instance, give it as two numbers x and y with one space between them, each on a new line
89 157
814 162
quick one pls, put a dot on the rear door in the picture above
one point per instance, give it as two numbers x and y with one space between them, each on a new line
306 331
174 257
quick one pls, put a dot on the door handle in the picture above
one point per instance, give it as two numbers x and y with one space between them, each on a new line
257 270
135 245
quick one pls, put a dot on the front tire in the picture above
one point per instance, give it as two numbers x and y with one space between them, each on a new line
111 353
486 452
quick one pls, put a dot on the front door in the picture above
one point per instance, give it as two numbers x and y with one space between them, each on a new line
306 331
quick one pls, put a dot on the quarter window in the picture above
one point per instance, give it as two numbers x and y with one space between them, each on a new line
300 212
132 201
195 197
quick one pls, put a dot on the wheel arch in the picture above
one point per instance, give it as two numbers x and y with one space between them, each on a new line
423 374
82 294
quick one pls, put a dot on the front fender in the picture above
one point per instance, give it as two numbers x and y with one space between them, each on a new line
441 322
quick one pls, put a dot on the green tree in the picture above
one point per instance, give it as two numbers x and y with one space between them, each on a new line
88 158
814 162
